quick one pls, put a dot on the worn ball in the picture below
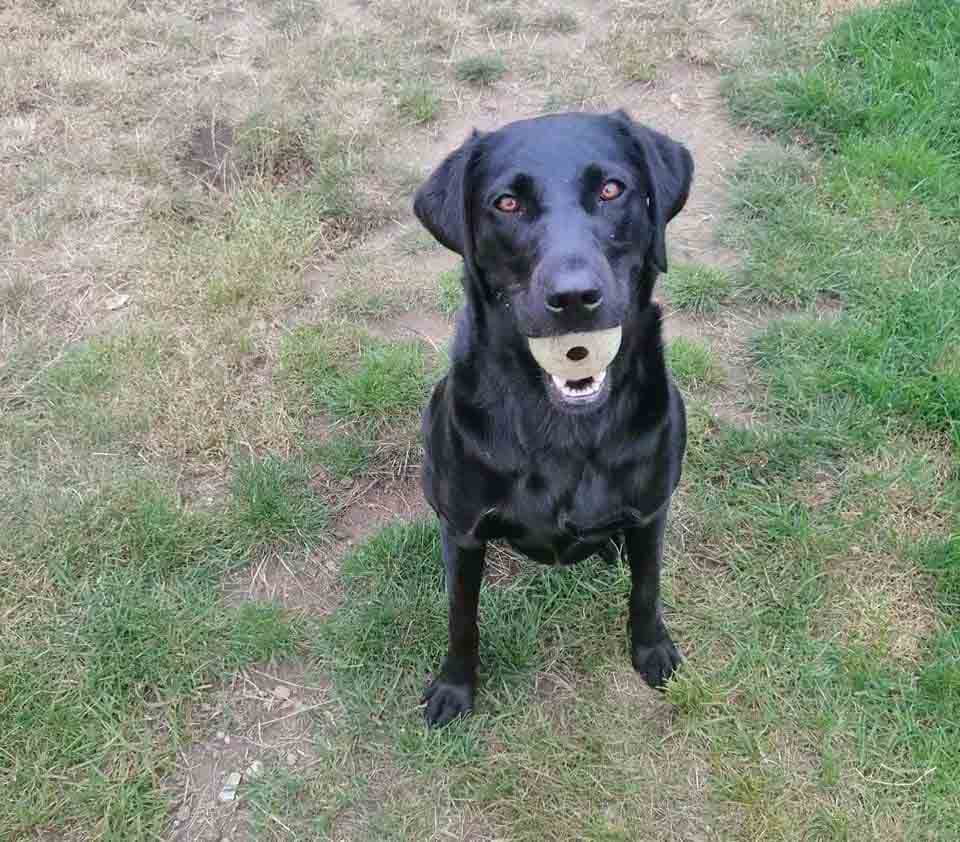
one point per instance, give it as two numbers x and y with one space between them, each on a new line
576 356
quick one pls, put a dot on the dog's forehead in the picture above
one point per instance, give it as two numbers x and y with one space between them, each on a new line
555 145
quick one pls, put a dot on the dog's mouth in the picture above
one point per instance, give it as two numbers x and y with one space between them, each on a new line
583 391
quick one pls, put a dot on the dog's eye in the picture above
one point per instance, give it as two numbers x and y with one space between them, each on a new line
507 204
611 190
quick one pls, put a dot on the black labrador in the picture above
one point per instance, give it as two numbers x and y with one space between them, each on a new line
560 221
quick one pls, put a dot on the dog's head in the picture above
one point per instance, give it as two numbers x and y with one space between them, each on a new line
561 223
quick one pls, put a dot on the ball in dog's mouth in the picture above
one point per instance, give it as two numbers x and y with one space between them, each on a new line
577 362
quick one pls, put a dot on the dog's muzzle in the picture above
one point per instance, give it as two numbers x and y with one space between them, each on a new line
577 362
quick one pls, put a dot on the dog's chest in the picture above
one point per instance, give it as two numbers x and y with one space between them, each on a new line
561 505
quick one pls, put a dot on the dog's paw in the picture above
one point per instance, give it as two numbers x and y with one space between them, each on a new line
656 663
446 701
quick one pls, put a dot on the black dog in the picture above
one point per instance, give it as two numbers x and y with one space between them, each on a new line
560 221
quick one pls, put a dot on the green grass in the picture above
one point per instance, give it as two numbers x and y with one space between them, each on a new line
692 364
418 103
854 233
389 381
273 502
504 19
481 71
882 94
450 294
132 621
871 225
365 380
698 289
346 455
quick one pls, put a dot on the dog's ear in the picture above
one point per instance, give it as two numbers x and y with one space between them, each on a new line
440 202
669 171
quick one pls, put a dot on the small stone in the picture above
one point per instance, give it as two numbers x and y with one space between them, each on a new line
220 735
183 814
226 739
229 791
115 302
254 770
292 759
282 693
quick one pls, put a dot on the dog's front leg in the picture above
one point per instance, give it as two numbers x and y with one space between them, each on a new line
451 692
653 653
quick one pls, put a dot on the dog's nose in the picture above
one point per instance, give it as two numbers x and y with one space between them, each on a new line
574 298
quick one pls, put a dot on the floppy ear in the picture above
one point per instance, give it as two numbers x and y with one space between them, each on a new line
440 202
669 170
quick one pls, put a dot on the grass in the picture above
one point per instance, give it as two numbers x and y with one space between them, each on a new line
347 455
372 380
389 381
692 363
701 290
450 294
556 22
481 71
418 103
132 618
240 417
272 500
881 94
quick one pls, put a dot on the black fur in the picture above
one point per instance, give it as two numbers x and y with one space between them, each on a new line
505 457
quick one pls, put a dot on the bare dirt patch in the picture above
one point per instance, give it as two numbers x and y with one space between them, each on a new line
268 718
378 506
309 585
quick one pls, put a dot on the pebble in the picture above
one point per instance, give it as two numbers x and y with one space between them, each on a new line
254 770
291 759
229 791
281 692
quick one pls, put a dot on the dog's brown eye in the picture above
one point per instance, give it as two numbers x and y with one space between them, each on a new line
611 190
507 204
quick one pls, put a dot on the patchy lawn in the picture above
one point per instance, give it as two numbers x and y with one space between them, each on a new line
218 322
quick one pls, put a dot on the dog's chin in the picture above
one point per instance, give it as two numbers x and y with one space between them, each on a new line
584 395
